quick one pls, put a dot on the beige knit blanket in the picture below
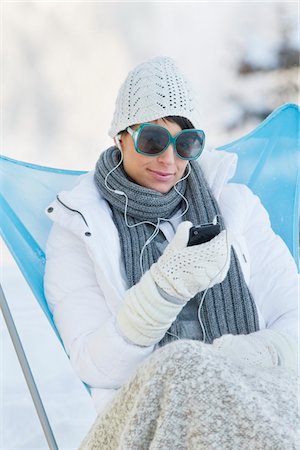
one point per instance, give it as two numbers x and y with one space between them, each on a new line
187 397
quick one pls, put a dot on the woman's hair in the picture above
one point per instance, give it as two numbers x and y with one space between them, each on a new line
185 124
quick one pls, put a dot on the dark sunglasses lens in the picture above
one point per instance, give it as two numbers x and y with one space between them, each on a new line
189 144
152 140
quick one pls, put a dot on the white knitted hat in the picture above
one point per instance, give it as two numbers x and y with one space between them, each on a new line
154 89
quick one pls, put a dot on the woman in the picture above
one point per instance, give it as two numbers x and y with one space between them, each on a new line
121 280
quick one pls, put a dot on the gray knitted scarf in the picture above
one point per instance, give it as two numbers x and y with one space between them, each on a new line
228 306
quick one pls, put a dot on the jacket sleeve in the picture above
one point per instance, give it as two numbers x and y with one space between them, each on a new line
273 272
99 354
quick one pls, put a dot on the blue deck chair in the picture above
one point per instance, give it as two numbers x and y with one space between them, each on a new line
268 163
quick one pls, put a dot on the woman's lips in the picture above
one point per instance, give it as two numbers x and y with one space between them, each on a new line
160 175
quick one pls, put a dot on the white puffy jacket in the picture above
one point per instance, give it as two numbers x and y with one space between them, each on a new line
85 280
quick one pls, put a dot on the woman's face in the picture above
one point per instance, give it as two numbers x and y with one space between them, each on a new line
159 173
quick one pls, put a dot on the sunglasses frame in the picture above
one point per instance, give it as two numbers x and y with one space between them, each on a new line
172 140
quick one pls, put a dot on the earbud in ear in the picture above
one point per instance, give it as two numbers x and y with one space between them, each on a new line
118 141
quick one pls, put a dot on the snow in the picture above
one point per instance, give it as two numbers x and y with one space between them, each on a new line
67 402
62 65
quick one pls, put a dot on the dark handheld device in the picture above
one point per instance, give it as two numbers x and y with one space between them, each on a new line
203 233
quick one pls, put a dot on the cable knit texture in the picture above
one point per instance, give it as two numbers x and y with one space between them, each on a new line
188 397
264 348
253 349
154 89
183 271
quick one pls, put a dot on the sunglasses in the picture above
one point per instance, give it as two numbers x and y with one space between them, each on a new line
153 140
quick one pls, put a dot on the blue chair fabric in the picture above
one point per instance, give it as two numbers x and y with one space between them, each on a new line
269 163
25 191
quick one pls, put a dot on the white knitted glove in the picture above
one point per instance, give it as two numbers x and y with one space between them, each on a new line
148 313
183 271
264 348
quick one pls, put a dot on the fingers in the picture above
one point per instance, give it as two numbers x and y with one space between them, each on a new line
181 237
216 253
222 236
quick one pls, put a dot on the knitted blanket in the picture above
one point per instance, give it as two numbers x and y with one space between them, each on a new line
187 397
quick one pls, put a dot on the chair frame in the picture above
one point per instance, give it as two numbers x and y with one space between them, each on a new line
29 378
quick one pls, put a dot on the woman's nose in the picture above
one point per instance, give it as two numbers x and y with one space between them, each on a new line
168 156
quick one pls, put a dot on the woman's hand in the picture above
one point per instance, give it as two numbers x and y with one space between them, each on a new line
264 348
152 305
183 271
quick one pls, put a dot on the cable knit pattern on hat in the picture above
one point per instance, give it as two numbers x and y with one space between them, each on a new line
154 89
187 397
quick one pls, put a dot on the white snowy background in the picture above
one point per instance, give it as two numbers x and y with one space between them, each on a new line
62 64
